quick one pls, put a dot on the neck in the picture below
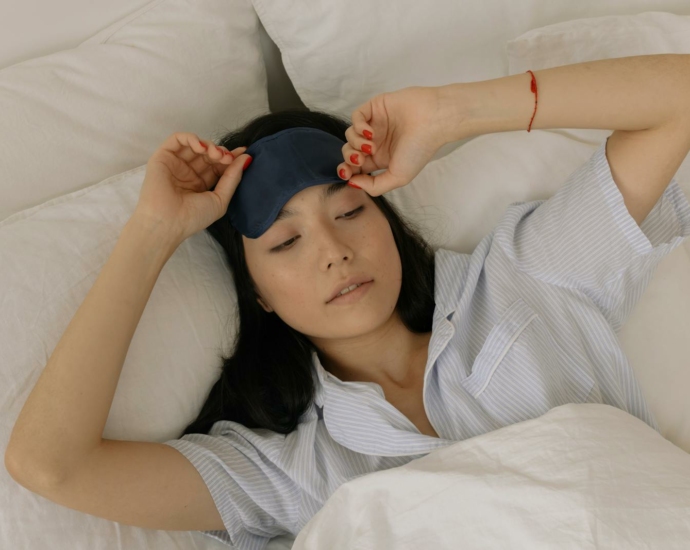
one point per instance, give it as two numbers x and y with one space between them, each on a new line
400 366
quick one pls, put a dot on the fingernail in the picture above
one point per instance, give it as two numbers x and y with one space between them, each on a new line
342 173
353 185
366 148
247 163
203 145
353 158
368 135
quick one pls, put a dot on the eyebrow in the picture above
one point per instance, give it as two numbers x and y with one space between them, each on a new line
326 193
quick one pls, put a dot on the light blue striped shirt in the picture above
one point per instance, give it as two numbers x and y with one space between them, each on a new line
525 323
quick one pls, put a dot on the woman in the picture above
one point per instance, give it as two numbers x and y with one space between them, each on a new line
435 348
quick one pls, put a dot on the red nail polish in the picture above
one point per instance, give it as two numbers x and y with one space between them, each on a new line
342 173
366 148
202 144
353 158
368 134
247 163
353 185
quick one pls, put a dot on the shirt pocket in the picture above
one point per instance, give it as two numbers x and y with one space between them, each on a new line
521 372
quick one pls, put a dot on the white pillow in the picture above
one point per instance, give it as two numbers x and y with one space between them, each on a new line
595 38
52 254
75 117
655 337
579 476
340 54
460 198
611 36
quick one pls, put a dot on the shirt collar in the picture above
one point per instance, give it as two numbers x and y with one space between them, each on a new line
446 295
358 417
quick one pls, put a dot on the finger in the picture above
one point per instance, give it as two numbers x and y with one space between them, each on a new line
197 153
201 153
228 182
356 159
185 145
358 142
345 171
379 184
210 173
205 158
360 120
211 155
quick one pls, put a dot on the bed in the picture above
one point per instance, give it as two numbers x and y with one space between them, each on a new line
88 90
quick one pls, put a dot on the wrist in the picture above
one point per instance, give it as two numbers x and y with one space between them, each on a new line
455 106
498 105
153 234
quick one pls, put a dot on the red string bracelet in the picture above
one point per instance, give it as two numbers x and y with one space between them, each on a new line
533 87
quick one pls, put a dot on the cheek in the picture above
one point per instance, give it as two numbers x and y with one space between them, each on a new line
291 290
387 255
380 237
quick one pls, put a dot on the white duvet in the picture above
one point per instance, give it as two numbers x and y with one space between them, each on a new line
580 476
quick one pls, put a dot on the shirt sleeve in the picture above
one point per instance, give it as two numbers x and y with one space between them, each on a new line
255 498
583 238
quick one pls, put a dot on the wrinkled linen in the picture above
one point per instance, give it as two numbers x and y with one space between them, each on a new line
580 476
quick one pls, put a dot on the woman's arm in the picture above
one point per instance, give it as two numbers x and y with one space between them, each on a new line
628 93
64 416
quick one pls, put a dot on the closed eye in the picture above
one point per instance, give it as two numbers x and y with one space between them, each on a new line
286 244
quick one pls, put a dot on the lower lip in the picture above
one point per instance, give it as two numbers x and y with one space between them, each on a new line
353 295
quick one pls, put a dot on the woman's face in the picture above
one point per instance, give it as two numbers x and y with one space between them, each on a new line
299 261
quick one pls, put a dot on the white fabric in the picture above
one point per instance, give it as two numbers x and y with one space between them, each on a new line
655 338
580 476
33 28
52 253
51 256
610 36
459 198
73 118
522 325
591 39
339 54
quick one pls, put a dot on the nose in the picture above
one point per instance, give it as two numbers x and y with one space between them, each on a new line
335 247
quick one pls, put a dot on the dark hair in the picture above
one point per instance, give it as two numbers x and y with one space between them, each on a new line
272 386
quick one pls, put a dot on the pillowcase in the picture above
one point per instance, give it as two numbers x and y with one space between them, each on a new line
340 54
579 476
655 336
52 254
608 37
78 116
460 198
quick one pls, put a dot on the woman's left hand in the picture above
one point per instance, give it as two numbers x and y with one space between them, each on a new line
400 131
189 183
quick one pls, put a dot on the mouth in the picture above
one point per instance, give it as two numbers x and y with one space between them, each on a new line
353 295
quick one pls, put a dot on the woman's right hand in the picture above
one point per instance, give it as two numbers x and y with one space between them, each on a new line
404 130
188 184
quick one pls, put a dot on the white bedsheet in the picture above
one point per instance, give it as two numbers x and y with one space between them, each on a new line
580 476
